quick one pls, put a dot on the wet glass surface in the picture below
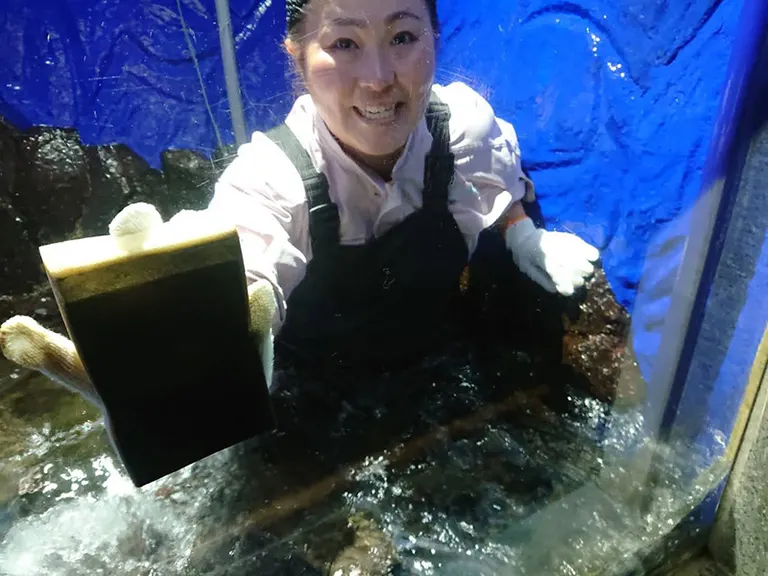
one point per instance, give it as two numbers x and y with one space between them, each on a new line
455 478
540 455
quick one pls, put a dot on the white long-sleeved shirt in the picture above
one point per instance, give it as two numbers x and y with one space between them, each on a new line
262 193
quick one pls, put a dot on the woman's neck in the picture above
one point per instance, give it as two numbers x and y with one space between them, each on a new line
382 166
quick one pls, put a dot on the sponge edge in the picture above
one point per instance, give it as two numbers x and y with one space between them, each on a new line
136 230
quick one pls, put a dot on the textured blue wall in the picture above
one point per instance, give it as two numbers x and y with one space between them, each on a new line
613 100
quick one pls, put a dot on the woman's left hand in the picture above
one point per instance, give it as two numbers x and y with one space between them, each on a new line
557 261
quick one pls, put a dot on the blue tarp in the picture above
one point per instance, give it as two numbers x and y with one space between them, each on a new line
124 71
614 101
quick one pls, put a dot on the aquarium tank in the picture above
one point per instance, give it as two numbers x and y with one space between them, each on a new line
601 434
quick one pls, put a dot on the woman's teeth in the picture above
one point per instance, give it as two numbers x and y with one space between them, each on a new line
378 112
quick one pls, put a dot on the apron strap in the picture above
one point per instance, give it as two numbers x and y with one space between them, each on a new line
323 214
439 163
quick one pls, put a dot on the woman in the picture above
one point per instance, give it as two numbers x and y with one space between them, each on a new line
365 207
365 220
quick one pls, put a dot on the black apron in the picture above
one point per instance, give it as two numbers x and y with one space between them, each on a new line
385 303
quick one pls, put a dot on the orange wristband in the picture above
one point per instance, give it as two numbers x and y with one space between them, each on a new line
511 220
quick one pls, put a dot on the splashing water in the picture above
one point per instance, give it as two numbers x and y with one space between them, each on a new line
497 498
114 529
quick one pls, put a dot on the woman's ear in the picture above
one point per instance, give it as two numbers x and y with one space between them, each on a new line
291 47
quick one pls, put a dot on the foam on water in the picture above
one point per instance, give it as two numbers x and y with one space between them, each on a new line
119 530
91 520
501 499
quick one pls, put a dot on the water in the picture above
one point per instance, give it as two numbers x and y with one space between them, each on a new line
502 487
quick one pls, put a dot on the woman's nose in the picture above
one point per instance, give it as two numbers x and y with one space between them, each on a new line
376 70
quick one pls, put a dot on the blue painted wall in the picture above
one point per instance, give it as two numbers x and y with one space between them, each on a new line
614 101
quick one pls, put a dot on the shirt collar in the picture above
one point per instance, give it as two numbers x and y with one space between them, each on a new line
409 166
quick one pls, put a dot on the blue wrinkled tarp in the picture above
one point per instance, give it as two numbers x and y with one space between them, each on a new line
613 101
123 71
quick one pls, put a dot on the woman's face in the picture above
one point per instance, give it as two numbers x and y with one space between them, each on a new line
368 65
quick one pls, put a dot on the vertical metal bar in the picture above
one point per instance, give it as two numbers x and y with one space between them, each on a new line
229 60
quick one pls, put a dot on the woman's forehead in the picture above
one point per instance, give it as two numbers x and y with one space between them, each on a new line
362 13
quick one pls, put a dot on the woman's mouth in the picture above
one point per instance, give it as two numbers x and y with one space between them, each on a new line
379 114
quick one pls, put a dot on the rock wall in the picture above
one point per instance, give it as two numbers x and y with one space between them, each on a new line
53 187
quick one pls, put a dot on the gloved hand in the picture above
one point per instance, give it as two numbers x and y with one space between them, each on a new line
557 261
25 342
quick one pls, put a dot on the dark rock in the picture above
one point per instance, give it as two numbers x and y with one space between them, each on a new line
19 261
20 267
189 178
118 177
372 551
38 303
9 152
51 182
52 188
595 345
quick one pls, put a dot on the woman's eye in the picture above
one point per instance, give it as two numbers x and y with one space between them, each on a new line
404 38
343 44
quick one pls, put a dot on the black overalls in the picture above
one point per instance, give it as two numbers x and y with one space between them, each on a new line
395 305
386 302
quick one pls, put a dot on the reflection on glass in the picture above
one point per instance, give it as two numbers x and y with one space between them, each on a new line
572 425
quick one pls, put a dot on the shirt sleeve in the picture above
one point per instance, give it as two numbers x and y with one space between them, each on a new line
253 194
487 158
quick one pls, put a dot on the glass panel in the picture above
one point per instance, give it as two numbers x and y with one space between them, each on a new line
554 434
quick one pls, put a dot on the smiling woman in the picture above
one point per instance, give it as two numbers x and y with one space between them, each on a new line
378 169
366 206
368 68
440 401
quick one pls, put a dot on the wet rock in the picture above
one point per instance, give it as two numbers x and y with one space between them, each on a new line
51 182
595 345
528 335
252 552
9 156
118 177
53 188
189 178
33 481
19 261
372 552
14 436
20 265
38 303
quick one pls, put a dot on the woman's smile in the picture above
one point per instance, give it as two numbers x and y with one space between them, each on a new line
382 115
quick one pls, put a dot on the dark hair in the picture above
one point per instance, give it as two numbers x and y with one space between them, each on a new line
294 14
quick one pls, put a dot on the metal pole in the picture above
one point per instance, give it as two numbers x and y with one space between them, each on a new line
230 70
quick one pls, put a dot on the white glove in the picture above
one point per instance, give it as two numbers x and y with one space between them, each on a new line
557 261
